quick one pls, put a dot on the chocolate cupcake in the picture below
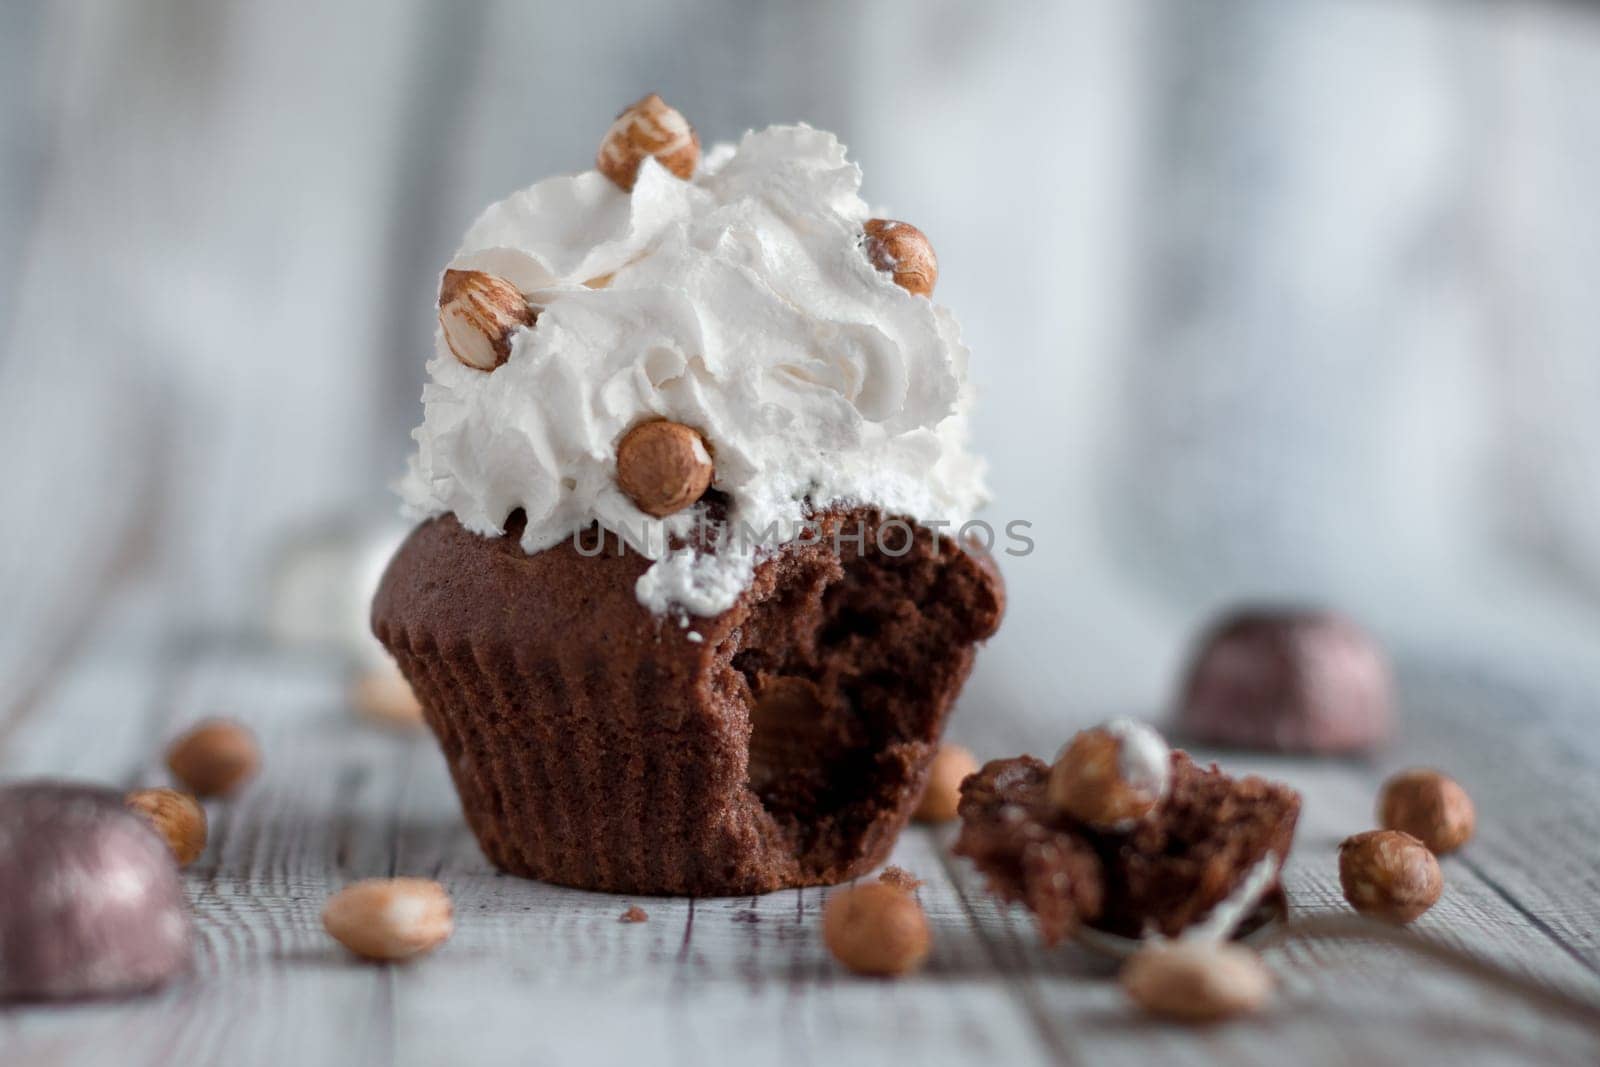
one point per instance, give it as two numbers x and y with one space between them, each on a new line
696 590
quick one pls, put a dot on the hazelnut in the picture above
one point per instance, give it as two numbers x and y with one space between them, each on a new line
942 794
663 467
383 696
389 918
648 128
635 914
900 249
214 758
1388 874
1196 981
177 817
478 314
876 928
1112 776
1429 806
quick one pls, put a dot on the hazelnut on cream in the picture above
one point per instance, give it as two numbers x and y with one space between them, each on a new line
647 129
663 467
902 250
1113 775
478 314
737 298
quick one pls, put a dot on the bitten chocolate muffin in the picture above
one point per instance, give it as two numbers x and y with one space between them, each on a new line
1166 872
695 593
783 742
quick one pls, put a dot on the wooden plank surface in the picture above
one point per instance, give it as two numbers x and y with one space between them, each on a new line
540 974
1263 378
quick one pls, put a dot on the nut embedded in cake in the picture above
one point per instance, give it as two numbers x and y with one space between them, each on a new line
1164 873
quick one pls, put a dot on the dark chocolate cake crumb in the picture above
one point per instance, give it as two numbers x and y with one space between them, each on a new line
634 914
900 878
1165 874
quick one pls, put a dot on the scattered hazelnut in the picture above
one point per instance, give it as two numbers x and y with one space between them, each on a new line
1197 980
663 467
1429 806
177 817
876 928
214 758
1388 874
648 128
950 766
383 696
389 918
478 314
901 249
1112 776
635 914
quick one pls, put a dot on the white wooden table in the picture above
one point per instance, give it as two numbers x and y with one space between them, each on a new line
537 974
1301 304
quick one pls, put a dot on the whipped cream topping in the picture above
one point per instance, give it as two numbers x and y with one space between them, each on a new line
1230 913
739 303
1143 759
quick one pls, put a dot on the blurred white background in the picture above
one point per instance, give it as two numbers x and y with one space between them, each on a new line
1265 298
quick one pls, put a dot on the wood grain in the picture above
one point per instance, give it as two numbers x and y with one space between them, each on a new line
1261 378
540 974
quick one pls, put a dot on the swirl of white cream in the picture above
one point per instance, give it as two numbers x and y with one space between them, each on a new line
739 303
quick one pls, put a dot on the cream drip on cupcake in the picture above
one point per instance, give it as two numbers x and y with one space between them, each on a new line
747 302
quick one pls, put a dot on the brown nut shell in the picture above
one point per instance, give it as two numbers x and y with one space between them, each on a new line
876 928
478 316
177 817
1196 981
663 467
900 249
648 128
1429 806
1390 875
214 758
1086 783
390 918
942 794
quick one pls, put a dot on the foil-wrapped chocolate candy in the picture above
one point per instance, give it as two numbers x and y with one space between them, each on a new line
91 903
1287 680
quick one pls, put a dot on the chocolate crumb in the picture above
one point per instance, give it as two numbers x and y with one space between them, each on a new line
900 879
1167 872
634 914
